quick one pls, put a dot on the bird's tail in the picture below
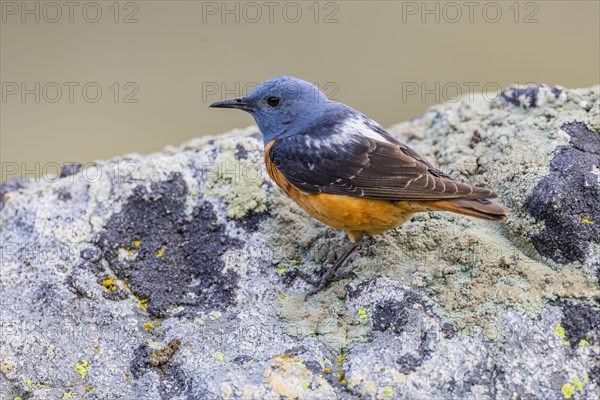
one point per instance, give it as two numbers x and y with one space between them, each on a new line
479 208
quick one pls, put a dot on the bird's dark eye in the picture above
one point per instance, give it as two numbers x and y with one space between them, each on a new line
273 101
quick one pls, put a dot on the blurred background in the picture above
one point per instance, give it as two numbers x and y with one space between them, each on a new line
91 80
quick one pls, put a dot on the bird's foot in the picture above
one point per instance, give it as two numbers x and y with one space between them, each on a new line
323 280
331 275
311 280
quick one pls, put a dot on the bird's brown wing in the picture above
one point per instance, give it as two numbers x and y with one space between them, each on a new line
361 166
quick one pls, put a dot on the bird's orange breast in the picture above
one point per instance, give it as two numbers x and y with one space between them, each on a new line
354 215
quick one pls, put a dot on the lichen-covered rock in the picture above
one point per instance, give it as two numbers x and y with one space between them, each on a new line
170 276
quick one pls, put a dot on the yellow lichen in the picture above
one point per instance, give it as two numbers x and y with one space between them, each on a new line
160 252
340 370
137 243
282 356
148 326
219 356
68 395
285 357
584 342
281 271
82 368
281 295
144 303
577 383
30 383
388 393
568 390
88 388
362 313
327 370
585 220
109 284
559 332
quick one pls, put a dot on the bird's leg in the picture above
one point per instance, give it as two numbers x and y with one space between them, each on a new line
330 275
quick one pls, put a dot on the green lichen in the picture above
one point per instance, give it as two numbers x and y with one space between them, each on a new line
474 272
238 182
291 235
328 319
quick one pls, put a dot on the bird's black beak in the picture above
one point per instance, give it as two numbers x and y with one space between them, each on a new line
239 103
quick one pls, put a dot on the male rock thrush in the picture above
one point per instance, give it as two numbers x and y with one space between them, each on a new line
345 170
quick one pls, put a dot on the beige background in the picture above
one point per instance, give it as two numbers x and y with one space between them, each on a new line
179 52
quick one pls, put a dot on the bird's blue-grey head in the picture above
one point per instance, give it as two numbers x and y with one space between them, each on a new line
282 106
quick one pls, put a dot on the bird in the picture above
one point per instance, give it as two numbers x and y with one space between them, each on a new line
345 170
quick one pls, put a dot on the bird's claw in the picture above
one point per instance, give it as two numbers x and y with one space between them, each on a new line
331 275
325 280
306 277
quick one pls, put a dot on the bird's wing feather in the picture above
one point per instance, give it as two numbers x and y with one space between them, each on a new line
343 162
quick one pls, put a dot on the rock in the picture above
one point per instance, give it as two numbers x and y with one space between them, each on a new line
568 196
169 276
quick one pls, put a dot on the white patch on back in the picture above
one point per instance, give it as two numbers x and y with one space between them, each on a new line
358 125
346 133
